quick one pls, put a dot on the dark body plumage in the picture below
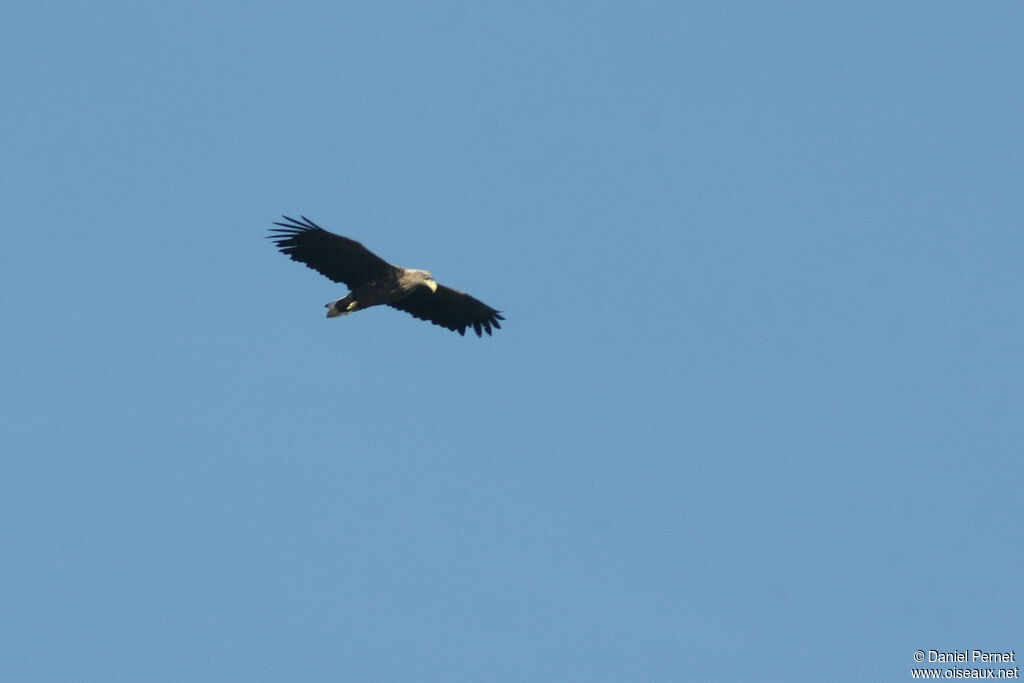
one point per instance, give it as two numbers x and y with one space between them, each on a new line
373 281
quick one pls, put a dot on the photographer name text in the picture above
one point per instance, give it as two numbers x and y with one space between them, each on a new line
965 656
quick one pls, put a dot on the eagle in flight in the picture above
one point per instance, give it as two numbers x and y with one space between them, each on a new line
372 281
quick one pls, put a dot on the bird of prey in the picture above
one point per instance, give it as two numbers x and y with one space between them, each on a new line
372 281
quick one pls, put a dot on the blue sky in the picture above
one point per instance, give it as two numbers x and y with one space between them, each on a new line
755 413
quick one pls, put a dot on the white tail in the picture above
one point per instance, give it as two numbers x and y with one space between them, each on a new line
333 310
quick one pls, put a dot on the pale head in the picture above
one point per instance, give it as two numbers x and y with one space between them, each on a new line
412 278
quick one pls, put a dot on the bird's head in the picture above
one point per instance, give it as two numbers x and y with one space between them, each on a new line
425 279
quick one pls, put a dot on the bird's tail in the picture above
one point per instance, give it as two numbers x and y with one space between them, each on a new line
342 307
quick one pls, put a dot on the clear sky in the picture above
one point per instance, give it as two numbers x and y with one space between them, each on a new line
755 413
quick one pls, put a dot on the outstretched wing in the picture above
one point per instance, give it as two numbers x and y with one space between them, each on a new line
339 258
450 308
